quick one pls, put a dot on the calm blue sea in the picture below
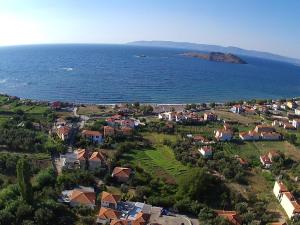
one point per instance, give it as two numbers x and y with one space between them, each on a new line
115 73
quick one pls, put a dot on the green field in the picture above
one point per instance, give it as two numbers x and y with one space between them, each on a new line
251 150
158 161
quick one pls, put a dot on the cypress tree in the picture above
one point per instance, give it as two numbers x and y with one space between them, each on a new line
23 178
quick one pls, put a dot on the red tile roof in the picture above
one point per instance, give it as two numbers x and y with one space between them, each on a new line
230 215
91 133
83 197
118 222
81 154
265 159
108 213
121 172
108 197
64 130
97 156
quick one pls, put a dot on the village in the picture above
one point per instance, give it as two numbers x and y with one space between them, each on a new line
273 122
129 163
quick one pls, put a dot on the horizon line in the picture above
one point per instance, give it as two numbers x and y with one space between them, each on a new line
126 43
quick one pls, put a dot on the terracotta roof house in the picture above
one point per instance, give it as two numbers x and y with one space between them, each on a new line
109 200
93 136
270 136
223 135
96 160
199 138
119 222
114 211
231 216
106 215
121 174
237 109
264 128
170 116
126 131
56 105
210 116
80 196
127 123
82 156
273 154
226 126
141 219
265 161
242 161
288 126
287 200
63 132
249 136
108 131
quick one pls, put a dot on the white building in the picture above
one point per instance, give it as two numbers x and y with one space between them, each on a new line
85 196
287 200
297 111
296 123
270 136
223 135
206 151
249 136
93 136
170 116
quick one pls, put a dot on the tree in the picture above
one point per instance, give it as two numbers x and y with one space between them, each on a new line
201 186
23 178
212 105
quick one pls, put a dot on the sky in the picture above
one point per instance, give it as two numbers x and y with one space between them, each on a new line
266 25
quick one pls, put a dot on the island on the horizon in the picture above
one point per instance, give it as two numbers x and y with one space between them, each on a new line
216 57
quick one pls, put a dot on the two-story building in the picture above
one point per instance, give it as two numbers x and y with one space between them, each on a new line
93 136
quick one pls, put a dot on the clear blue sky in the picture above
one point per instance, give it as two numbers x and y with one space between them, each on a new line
268 25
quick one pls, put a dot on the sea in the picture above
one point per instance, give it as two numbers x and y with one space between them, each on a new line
108 74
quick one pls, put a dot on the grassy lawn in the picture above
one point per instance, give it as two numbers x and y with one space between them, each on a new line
244 119
205 130
94 110
252 150
160 160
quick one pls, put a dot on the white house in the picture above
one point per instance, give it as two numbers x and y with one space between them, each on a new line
265 161
296 123
170 116
287 200
63 132
206 151
79 196
237 109
270 136
223 135
94 136
297 111
249 136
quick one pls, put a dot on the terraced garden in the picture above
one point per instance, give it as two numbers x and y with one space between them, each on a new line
159 160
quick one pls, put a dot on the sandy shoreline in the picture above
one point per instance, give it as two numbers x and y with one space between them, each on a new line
122 104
